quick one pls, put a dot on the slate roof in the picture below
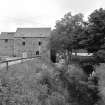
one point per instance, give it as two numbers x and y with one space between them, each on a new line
7 35
33 32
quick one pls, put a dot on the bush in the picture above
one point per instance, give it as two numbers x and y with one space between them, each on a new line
70 85
100 72
49 86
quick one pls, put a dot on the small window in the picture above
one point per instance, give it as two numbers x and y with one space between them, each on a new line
23 37
23 43
6 40
40 43
37 52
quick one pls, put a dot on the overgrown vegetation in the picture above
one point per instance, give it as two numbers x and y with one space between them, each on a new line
49 86
100 73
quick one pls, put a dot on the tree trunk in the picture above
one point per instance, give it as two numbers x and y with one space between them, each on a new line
75 52
70 57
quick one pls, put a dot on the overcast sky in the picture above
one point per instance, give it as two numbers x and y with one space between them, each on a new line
41 13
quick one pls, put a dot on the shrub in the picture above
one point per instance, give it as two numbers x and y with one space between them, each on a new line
100 72
49 86
70 85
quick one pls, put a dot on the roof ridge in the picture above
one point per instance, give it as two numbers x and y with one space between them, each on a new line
33 32
35 28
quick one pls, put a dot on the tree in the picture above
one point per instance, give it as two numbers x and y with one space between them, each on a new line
67 33
96 33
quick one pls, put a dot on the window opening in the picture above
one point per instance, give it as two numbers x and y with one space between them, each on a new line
6 40
23 37
37 52
23 43
40 43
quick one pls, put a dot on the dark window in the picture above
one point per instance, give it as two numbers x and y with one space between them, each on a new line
23 37
40 43
37 52
23 43
6 40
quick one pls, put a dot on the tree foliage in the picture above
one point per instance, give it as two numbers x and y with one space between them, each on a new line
72 33
96 33
67 33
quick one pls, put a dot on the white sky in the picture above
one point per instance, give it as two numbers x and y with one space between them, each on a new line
41 13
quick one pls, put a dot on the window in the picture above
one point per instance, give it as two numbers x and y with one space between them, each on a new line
6 40
23 43
23 37
37 52
40 43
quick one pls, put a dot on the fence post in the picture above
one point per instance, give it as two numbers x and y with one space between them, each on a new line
7 65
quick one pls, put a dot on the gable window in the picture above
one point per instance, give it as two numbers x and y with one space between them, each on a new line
37 52
23 43
6 40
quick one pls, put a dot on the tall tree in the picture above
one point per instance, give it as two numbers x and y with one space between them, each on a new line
96 33
67 33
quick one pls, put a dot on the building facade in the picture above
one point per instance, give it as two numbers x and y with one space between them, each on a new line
26 42
33 41
7 44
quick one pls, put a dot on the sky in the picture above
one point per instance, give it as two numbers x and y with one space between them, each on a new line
41 13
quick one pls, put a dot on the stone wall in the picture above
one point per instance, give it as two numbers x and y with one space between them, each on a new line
6 47
31 46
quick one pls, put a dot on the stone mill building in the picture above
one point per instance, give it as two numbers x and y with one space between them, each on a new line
25 42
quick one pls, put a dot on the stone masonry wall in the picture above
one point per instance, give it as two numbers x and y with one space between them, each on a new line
6 47
31 46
